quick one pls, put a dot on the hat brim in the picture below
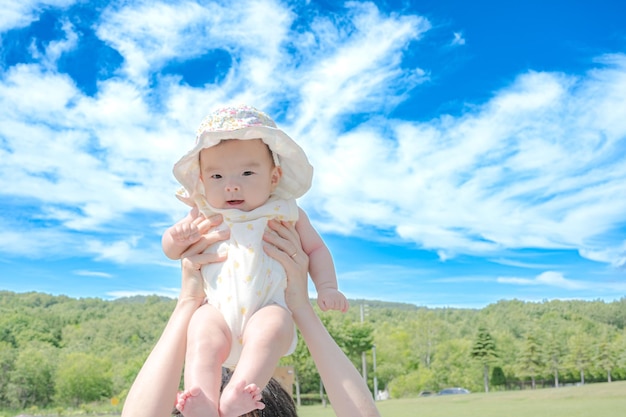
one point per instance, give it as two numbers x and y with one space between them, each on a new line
297 171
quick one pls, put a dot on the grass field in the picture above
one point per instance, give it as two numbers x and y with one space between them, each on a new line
606 400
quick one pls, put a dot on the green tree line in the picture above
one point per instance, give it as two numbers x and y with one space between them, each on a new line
57 351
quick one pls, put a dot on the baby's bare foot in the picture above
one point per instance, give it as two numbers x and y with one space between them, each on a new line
194 403
240 399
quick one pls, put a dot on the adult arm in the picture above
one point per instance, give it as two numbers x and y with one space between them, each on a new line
346 390
153 392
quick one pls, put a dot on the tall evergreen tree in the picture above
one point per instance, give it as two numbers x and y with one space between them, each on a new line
553 336
484 350
530 361
606 357
580 354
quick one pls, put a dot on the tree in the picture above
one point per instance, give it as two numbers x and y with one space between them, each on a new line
530 361
8 355
606 356
580 353
497 376
620 349
32 378
427 329
416 348
394 353
450 365
553 337
355 338
411 384
82 378
484 351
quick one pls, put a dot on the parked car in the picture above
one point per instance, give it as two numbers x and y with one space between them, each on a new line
455 390
427 393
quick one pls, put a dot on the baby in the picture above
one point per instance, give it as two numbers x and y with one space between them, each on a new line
249 171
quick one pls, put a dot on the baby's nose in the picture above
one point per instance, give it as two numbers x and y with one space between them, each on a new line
230 188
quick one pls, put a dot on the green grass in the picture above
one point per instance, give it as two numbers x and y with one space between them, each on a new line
605 399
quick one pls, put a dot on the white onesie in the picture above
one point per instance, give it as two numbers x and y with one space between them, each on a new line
249 279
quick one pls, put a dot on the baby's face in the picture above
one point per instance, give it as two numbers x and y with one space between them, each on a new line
238 174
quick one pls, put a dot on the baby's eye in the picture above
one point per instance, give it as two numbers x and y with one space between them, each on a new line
216 176
248 173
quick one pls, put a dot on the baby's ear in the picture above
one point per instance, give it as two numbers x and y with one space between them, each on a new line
277 173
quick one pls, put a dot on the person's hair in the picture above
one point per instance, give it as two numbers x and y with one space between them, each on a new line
278 402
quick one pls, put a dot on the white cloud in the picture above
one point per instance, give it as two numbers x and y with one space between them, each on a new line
121 251
150 34
18 14
548 278
616 255
162 292
536 166
458 38
532 167
521 264
15 242
55 49
558 280
147 34
354 68
95 274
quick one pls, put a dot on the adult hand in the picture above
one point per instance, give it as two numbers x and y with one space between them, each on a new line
154 391
282 242
194 257
348 393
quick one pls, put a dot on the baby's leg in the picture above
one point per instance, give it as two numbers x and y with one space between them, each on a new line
267 337
208 346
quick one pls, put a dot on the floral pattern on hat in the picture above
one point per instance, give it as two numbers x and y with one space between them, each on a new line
228 119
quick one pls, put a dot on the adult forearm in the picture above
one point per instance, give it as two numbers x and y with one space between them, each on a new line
153 392
346 390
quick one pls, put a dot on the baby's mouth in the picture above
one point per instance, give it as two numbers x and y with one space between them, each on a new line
234 202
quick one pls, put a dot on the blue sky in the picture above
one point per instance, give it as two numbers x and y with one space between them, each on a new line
464 152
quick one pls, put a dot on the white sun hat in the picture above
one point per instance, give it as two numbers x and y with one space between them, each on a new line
243 123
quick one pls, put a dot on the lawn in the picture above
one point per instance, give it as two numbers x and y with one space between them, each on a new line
605 399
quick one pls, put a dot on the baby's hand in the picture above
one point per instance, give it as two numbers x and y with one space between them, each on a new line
187 233
332 299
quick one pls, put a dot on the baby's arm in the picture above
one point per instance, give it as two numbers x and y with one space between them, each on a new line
321 266
183 234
